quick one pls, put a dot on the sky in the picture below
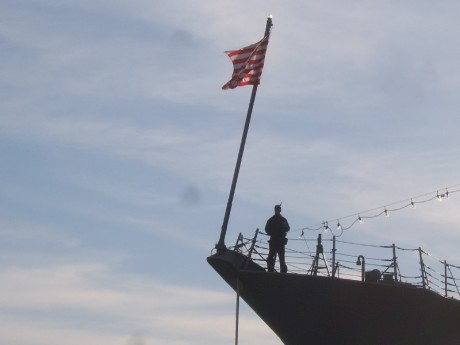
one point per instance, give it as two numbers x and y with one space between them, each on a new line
117 150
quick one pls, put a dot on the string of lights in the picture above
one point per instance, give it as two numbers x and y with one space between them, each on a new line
347 222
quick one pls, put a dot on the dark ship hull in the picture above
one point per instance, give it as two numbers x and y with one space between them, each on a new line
313 310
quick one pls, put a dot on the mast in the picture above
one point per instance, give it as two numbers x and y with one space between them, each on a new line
221 244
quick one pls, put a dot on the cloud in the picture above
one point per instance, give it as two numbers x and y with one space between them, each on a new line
118 304
23 232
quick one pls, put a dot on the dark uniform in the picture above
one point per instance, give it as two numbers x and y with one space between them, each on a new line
277 227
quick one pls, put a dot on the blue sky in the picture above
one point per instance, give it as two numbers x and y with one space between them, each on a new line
117 149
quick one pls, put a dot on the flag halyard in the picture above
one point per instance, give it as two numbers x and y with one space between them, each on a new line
248 63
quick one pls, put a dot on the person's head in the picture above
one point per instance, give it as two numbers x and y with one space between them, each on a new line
277 209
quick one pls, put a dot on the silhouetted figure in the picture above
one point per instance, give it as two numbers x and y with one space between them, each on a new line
277 227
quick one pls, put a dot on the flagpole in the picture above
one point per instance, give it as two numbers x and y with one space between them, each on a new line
221 244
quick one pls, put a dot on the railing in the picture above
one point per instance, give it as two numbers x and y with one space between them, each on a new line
340 260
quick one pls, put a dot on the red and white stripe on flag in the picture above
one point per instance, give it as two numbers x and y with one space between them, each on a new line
248 63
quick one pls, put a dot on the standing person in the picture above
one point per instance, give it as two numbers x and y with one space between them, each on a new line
277 227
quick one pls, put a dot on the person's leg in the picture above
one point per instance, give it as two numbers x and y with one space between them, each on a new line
281 253
271 257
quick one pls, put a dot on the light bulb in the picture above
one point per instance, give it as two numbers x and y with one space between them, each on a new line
439 196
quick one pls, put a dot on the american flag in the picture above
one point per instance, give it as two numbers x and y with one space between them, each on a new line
248 63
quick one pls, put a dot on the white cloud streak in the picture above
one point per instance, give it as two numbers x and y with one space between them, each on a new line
125 305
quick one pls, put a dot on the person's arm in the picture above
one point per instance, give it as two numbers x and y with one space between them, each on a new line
267 228
286 225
